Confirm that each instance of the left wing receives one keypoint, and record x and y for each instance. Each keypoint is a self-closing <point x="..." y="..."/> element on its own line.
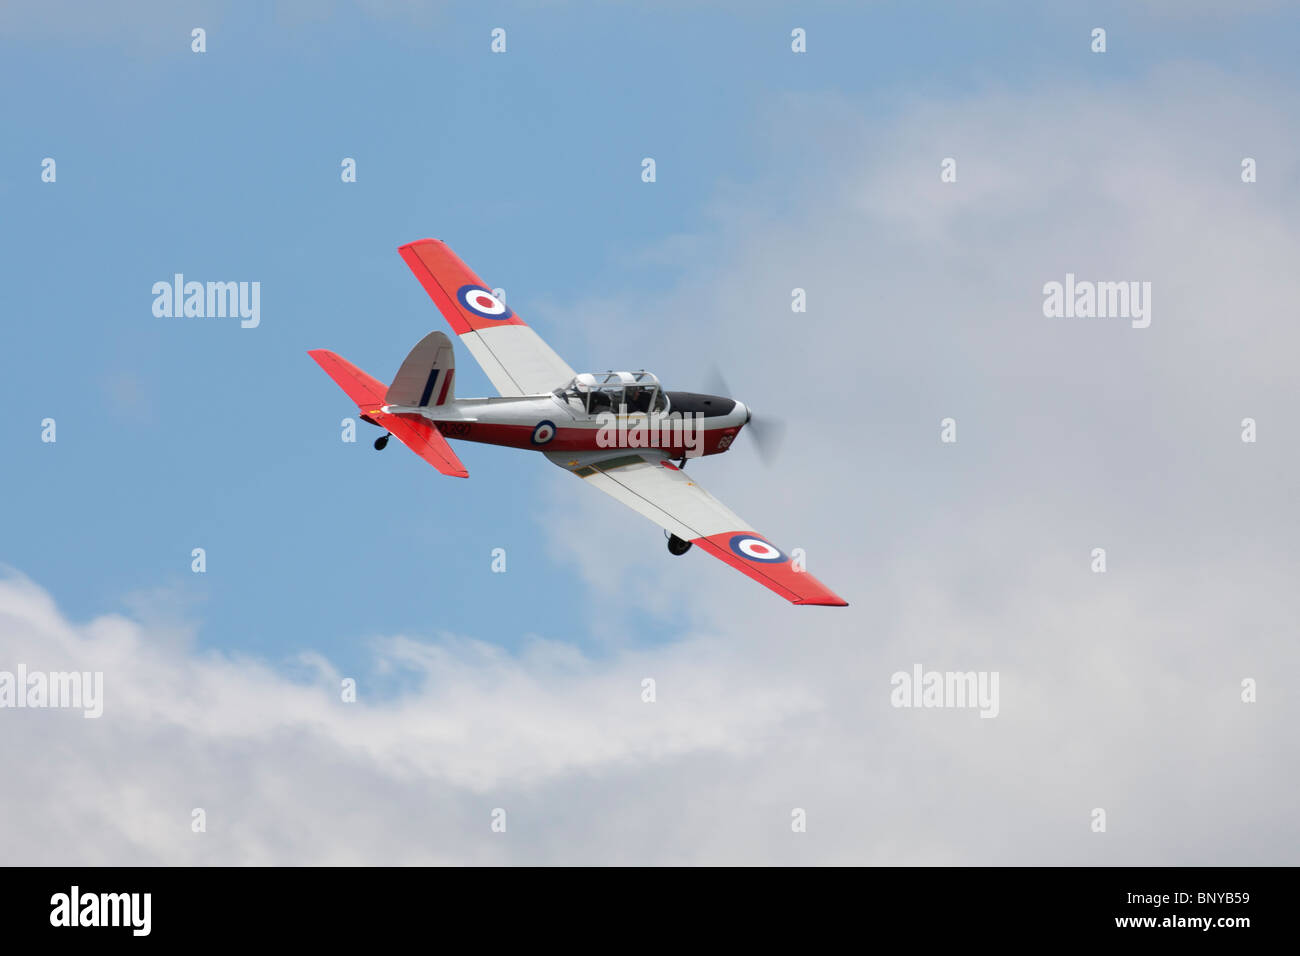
<point x="513" y="356"/>
<point x="646" y="481"/>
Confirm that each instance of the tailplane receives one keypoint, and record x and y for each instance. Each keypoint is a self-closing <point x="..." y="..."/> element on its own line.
<point x="414" y="431"/>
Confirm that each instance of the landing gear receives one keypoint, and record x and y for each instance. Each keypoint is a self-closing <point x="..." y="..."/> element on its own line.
<point x="677" y="545"/>
<point x="381" y="442"/>
<point x="682" y="463"/>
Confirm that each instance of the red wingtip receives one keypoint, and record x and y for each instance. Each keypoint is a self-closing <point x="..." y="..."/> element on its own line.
<point x="781" y="576"/>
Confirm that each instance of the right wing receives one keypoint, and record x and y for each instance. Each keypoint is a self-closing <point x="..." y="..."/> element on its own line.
<point x="513" y="356"/>
<point x="647" y="482"/>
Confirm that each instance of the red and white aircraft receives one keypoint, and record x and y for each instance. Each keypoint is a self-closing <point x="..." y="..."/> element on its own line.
<point x="607" y="428"/>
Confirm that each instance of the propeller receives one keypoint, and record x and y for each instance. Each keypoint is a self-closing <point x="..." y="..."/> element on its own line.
<point x="768" y="433"/>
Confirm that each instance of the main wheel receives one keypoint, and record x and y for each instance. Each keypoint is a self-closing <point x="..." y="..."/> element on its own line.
<point x="381" y="443"/>
<point x="677" y="545"/>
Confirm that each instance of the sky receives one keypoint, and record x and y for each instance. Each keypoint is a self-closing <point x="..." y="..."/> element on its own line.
<point x="523" y="691"/>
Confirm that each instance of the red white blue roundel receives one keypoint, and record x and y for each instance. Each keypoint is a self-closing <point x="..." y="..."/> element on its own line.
<point x="755" y="548"/>
<point x="543" y="433"/>
<point x="482" y="302"/>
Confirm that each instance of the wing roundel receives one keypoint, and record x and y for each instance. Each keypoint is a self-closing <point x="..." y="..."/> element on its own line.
<point x="650" y="484"/>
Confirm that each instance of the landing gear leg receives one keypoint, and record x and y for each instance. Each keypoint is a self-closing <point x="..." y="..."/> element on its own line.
<point x="677" y="545"/>
<point x="382" y="441"/>
<point x="682" y="463"/>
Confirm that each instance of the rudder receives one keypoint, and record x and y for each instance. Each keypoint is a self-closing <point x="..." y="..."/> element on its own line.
<point x="425" y="379"/>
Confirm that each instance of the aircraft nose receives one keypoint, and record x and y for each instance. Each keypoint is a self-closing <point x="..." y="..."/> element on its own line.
<point x="742" y="407"/>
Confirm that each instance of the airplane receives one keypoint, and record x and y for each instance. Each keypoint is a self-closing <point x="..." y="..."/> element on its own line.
<point x="581" y="422"/>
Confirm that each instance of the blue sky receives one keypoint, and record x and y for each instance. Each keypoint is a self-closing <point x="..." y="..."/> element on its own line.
<point x="181" y="433"/>
<point x="176" y="434"/>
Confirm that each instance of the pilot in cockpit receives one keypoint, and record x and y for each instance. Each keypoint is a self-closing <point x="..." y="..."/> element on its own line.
<point x="638" y="399"/>
<point x="620" y="397"/>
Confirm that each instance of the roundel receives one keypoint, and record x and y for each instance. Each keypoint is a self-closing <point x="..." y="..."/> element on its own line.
<point x="482" y="302"/>
<point x="543" y="433"/>
<point x="756" y="549"/>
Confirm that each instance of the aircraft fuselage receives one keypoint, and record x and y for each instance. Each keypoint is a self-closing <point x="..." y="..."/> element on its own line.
<point x="694" y="425"/>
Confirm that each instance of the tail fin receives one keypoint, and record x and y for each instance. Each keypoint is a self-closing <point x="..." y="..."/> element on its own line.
<point x="413" y="431"/>
<point x="425" y="378"/>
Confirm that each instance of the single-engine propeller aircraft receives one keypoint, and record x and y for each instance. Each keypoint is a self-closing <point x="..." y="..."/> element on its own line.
<point x="620" y="432"/>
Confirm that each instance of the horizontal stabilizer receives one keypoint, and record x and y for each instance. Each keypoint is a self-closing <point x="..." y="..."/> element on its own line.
<point x="368" y="392"/>
<point x="421" y="437"/>
<point x="414" y="432"/>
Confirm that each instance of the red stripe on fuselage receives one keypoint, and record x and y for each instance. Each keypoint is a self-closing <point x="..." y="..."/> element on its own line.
<point x="575" y="439"/>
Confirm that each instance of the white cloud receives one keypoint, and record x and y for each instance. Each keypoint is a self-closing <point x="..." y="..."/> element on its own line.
<point x="262" y="754"/>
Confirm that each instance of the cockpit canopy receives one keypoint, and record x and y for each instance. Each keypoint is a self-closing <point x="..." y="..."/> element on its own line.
<point x="596" y="392"/>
